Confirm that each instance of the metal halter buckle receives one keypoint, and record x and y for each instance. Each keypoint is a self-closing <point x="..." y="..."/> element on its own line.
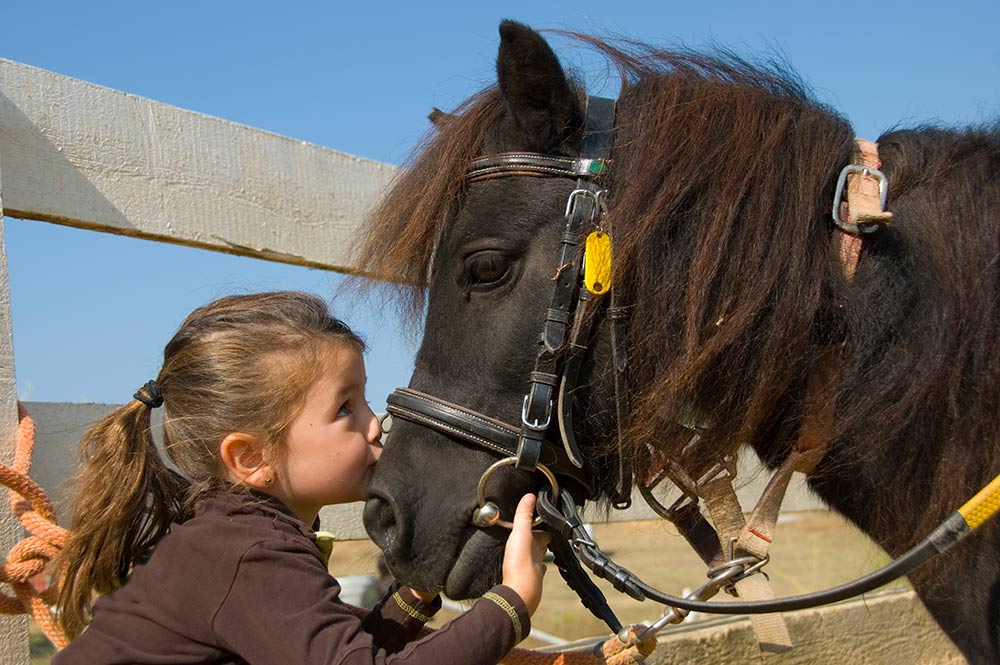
<point x="597" y="197"/>
<point x="689" y="487"/>
<point x="838" y="197"/>
<point x="724" y="467"/>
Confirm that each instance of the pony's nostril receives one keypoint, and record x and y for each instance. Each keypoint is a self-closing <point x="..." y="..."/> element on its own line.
<point x="382" y="523"/>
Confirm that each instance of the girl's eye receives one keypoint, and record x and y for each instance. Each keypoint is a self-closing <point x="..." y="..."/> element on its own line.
<point x="344" y="410"/>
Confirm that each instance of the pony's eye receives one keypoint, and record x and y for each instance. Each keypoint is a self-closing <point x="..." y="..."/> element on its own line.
<point x="486" y="268"/>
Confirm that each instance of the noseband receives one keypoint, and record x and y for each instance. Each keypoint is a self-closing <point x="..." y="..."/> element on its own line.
<point x="547" y="404"/>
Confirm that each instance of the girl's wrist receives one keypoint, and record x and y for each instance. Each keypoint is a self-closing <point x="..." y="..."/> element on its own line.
<point x="426" y="597"/>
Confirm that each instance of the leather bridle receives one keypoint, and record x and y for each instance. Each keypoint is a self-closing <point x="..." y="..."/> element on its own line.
<point x="546" y="414"/>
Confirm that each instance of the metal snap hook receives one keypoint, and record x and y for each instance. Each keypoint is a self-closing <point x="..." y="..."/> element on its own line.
<point x="488" y="513"/>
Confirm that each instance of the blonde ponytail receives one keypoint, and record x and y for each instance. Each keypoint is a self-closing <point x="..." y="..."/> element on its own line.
<point x="123" y="500"/>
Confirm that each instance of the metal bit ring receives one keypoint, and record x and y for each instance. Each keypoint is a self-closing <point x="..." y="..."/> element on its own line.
<point x="488" y="514"/>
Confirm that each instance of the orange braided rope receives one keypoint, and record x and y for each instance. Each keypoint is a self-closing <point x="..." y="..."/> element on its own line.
<point x="32" y="555"/>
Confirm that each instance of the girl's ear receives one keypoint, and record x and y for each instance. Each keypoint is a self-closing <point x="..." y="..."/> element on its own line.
<point x="242" y="457"/>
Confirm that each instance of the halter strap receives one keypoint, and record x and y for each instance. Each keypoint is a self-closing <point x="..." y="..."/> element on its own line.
<point x="583" y="209"/>
<point x="593" y="161"/>
<point x="864" y="210"/>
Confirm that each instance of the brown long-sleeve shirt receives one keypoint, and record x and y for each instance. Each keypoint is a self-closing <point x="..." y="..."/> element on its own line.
<point x="245" y="583"/>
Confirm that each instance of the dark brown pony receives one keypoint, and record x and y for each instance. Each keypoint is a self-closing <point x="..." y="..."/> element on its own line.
<point x="720" y="189"/>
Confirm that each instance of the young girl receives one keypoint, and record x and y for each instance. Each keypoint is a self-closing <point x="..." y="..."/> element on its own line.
<point x="266" y="421"/>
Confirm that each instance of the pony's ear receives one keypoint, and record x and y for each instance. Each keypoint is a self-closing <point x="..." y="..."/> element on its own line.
<point x="542" y="107"/>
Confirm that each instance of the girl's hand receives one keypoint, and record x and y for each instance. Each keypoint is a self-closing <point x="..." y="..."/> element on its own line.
<point x="522" y="560"/>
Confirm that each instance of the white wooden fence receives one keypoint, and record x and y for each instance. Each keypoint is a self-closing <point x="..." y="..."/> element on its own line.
<point x="81" y="155"/>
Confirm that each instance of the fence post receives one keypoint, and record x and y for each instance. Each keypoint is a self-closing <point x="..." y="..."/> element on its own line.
<point x="13" y="629"/>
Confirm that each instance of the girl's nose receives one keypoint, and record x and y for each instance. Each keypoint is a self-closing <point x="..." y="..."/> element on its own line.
<point x="374" y="433"/>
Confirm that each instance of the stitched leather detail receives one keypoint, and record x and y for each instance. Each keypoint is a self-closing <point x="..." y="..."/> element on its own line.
<point x="418" y="417"/>
<point x="527" y="163"/>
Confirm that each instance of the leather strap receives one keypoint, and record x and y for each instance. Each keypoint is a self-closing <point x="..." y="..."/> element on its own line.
<point x="582" y="208"/>
<point x="477" y="429"/>
<point x="572" y="361"/>
<point x="626" y="477"/>
<point x="724" y="506"/>
<point x="863" y="205"/>
<point x="532" y="164"/>
<point x="577" y="579"/>
<point x="699" y="534"/>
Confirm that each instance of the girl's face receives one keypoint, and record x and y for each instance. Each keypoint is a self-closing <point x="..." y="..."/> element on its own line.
<point x="331" y="446"/>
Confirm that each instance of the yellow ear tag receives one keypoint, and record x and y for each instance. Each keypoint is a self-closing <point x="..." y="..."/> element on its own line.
<point x="597" y="263"/>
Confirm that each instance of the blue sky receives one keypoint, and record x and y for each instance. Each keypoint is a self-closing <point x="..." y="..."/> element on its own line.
<point x="92" y="312"/>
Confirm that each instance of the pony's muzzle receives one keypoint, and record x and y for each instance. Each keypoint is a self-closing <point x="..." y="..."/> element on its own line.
<point x="384" y="525"/>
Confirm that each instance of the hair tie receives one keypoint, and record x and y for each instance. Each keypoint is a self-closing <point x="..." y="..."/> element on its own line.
<point x="149" y="395"/>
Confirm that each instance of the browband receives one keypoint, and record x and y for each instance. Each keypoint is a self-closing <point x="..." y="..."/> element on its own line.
<point x="596" y="141"/>
<point x="531" y="163"/>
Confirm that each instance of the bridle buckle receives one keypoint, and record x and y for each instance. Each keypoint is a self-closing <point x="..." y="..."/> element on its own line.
<point x="535" y="424"/>
<point x="596" y="196"/>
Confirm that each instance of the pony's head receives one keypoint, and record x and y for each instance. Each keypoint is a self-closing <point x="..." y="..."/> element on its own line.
<point x="700" y="143"/>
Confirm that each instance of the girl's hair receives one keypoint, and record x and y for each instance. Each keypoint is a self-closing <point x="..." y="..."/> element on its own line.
<point x="240" y="364"/>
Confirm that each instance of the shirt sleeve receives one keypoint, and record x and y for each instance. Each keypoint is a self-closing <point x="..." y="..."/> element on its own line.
<point x="283" y="607"/>
<point x="398" y="618"/>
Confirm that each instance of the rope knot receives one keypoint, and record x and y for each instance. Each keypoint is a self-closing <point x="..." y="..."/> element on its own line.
<point x="32" y="555"/>
<point x="27" y="559"/>
<point x="625" y="648"/>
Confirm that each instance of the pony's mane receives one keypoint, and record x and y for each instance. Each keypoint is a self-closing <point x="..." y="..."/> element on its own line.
<point x="398" y="243"/>
<point x="722" y="177"/>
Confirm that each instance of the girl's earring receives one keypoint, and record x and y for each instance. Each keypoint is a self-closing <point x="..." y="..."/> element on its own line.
<point x="269" y="481"/>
